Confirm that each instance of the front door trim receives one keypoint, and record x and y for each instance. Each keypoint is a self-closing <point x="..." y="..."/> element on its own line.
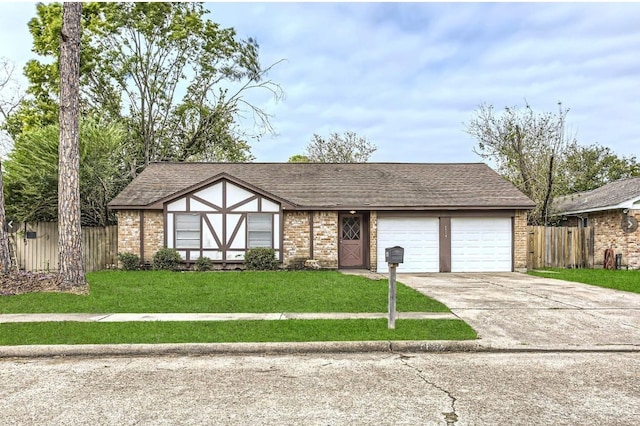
<point x="352" y="250"/>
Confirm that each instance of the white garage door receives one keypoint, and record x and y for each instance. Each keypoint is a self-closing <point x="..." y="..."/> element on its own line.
<point x="481" y="244"/>
<point x="418" y="237"/>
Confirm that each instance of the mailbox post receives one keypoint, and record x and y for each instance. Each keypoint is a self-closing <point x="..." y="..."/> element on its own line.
<point x="393" y="256"/>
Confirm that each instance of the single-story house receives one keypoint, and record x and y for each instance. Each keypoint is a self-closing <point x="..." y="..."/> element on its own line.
<point x="613" y="211"/>
<point x="447" y="217"/>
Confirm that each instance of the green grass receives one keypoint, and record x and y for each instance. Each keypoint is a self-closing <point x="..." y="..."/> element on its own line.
<point x="223" y="292"/>
<point x="57" y="333"/>
<point x="226" y="292"/>
<point x="616" y="279"/>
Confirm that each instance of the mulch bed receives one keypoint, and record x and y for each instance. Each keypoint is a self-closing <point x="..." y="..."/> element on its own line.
<point x="20" y="282"/>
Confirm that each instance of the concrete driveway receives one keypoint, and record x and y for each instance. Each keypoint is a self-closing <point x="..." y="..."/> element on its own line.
<point x="514" y="310"/>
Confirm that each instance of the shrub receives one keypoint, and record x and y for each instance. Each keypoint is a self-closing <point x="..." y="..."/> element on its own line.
<point x="130" y="261"/>
<point x="203" y="264"/>
<point x="261" y="259"/>
<point x="166" y="259"/>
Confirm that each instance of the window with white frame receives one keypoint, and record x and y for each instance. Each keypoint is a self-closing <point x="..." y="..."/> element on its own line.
<point x="188" y="230"/>
<point x="259" y="230"/>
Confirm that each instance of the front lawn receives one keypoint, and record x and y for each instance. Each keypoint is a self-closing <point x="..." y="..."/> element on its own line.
<point x="616" y="279"/>
<point x="226" y="292"/>
<point x="223" y="292"/>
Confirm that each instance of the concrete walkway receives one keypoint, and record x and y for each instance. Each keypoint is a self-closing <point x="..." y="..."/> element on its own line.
<point x="126" y="317"/>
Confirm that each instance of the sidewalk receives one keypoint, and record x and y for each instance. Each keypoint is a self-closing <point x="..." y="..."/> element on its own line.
<point x="126" y="317"/>
<point x="199" y="349"/>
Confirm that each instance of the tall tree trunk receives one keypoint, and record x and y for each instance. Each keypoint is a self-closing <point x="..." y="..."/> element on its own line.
<point x="71" y="262"/>
<point x="5" y="256"/>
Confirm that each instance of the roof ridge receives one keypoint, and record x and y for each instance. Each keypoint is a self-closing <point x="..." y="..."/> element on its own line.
<point x="336" y="185"/>
<point x="409" y="163"/>
<point x="615" y="182"/>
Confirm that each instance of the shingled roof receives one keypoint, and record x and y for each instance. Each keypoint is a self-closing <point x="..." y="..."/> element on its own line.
<point x="324" y="186"/>
<point x="615" y="195"/>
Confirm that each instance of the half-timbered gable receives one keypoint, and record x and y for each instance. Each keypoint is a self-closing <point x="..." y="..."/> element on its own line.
<point x="221" y="221"/>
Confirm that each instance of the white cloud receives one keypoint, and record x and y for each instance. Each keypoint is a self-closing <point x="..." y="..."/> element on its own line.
<point x="407" y="75"/>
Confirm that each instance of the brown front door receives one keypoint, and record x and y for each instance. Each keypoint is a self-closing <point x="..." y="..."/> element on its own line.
<point x="351" y="241"/>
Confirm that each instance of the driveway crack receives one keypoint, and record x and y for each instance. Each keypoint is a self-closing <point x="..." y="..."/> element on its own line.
<point x="450" y="417"/>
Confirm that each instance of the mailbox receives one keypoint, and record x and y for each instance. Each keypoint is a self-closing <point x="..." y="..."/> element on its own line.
<point x="394" y="254"/>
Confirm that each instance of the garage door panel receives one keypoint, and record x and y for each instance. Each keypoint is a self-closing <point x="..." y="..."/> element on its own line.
<point x="481" y="244"/>
<point x="478" y="244"/>
<point x="418" y="237"/>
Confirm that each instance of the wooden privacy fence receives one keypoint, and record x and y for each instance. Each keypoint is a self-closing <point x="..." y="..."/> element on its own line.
<point x="560" y="247"/>
<point x="36" y="246"/>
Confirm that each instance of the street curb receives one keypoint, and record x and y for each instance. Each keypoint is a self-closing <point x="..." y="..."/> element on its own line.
<point x="267" y="348"/>
<point x="290" y="348"/>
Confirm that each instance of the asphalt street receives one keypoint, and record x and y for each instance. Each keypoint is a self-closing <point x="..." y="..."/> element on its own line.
<point x="543" y="388"/>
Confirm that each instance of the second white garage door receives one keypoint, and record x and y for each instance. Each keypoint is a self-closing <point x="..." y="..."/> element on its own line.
<point x="481" y="244"/>
<point x="418" y="237"/>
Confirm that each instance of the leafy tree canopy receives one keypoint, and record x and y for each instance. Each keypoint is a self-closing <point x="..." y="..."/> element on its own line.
<point x="298" y="158"/>
<point x="534" y="151"/>
<point x="175" y="80"/>
<point x="31" y="174"/>
<point x="525" y="146"/>
<point x="589" y="167"/>
<point x="347" y="148"/>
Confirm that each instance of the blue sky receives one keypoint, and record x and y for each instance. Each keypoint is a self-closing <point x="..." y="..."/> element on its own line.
<point x="409" y="75"/>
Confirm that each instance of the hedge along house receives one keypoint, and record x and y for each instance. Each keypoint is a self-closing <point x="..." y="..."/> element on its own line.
<point x="447" y="217"/>
<point x="612" y="212"/>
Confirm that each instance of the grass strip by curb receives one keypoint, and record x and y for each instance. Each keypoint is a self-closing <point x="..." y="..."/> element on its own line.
<point x="57" y="333"/>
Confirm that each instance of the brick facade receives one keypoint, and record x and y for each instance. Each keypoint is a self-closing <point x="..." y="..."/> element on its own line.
<point x="129" y="231"/>
<point x="325" y="241"/>
<point x="296" y="246"/>
<point x="295" y="241"/>
<point x="520" y="235"/>
<point x="296" y="238"/>
<point x="373" y="241"/>
<point x="153" y="233"/>
<point x="609" y="234"/>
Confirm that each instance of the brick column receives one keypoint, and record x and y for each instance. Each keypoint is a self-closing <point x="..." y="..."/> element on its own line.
<point x="153" y="237"/>
<point x="295" y="242"/>
<point x="325" y="245"/>
<point x="520" y="233"/>
<point x="373" y="241"/>
<point x="129" y="231"/>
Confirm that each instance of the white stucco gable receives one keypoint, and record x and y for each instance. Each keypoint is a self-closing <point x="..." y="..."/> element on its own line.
<point x="221" y="221"/>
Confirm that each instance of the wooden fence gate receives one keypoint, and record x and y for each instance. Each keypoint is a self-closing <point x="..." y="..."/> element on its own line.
<point x="36" y="246"/>
<point x="560" y="247"/>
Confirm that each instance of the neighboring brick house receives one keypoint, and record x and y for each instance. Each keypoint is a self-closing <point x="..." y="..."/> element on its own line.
<point x="448" y="217"/>
<point x="612" y="211"/>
